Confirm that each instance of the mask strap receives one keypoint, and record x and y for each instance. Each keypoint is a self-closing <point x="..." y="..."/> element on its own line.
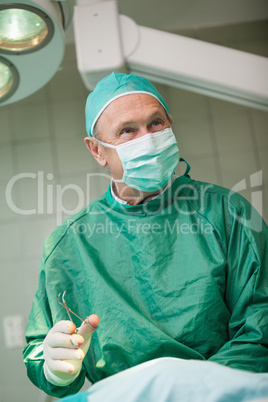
<point x="105" y="144"/>
<point x="188" y="167"/>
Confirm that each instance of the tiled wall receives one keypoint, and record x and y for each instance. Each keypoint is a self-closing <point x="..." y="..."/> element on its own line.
<point x="224" y="143"/>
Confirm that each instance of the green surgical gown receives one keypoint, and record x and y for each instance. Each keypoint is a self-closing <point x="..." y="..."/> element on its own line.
<point x="184" y="275"/>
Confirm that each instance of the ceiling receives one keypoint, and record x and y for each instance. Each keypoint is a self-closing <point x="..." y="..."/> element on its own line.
<point x="175" y="15"/>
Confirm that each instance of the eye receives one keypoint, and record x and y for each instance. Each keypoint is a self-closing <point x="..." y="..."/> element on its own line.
<point x="127" y="130"/>
<point x="156" y="125"/>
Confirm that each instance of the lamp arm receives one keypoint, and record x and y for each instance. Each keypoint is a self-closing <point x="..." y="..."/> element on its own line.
<point x="106" y="42"/>
<point x="200" y="67"/>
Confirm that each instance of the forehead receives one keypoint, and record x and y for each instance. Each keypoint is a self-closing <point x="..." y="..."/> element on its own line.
<point x="133" y="107"/>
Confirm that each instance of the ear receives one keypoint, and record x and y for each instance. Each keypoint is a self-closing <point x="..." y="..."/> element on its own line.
<point x="95" y="148"/>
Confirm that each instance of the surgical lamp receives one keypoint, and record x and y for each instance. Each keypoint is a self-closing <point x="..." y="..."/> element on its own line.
<point x="31" y="45"/>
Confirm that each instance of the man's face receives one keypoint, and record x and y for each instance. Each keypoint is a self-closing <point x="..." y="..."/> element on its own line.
<point x="127" y="118"/>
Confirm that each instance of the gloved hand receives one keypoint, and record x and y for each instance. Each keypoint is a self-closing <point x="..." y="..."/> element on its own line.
<point x="65" y="350"/>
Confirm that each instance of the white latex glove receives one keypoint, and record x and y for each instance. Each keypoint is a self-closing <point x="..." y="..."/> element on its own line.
<point x="63" y="358"/>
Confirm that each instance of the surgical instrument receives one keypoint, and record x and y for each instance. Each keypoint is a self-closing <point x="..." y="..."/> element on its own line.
<point x="68" y="310"/>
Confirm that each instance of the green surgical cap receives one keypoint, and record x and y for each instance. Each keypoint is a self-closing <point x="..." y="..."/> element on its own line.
<point x="112" y="87"/>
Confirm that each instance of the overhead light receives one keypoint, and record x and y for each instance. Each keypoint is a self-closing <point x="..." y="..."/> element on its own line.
<point x="23" y="29"/>
<point x="32" y="43"/>
<point x="9" y="79"/>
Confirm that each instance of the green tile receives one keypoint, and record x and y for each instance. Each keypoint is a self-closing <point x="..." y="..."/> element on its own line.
<point x="6" y="163"/>
<point x="69" y="118"/>
<point x="21" y="392"/>
<point x="205" y="169"/>
<point x="32" y="244"/>
<point x="10" y="239"/>
<point x="193" y="136"/>
<point x="30" y="269"/>
<point x="30" y="121"/>
<point x="36" y="97"/>
<point x="67" y="84"/>
<point x="73" y="156"/>
<point x="5" y="132"/>
<point x="34" y="157"/>
<point x="263" y="154"/>
<point x="6" y="201"/>
<point x="236" y="167"/>
<point x="225" y="109"/>
<point x="185" y="104"/>
<point x="233" y="133"/>
<point x="260" y="125"/>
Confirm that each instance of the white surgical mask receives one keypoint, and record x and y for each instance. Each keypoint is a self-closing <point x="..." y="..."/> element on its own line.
<point x="149" y="161"/>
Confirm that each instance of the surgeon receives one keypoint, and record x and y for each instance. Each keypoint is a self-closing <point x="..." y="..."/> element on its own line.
<point x="160" y="266"/>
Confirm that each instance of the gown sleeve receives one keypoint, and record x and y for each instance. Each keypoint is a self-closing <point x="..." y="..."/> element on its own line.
<point x="40" y="322"/>
<point x="246" y="294"/>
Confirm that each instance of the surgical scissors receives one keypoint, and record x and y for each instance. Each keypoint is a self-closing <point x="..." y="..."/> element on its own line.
<point x="68" y="310"/>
